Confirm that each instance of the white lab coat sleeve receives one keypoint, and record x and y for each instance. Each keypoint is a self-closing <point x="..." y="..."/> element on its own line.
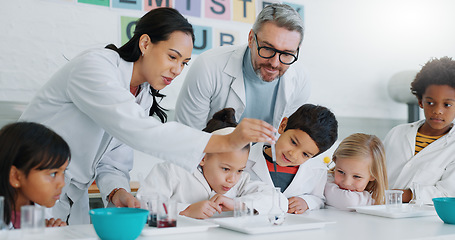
<point x="193" y="103"/>
<point x="445" y="187"/>
<point x="342" y="199"/>
<point x="315" y="199"/>
<point x="114" y="168"/>
<point x="108" y="104"/>
<point x="260" y="193"/>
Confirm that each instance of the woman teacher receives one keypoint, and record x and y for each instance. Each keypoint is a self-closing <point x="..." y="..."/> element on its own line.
<point x="110" y="92"/>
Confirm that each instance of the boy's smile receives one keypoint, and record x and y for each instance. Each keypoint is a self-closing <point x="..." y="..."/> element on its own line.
<point x="293" y="148"/>
<point x="438" y="105"/>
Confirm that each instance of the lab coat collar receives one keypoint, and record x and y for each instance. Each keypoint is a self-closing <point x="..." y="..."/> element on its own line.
<point x="233" y="68"/>
<point x="411" y="136"/>
<point x="259" y="165"/>
<point x="200" y="176"/>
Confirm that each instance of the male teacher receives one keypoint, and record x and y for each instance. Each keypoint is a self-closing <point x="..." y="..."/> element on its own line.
<point x="258" y="80"/>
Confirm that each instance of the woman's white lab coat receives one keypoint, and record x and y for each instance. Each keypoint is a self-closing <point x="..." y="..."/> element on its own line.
<point x="172" y="181"/>
<point x="88" y="102"/>
<point x="308" y="182"/>
<point x="433" y="167"/>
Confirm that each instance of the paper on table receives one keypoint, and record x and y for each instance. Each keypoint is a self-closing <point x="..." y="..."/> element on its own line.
<point x="405" y="211"/>
<point x="260" y="224"/>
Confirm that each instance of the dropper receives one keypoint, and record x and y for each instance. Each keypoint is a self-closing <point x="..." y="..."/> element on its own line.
<point x="274" y="154"/>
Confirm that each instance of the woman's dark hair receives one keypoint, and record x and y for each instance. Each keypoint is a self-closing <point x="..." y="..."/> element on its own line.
<point x="434" y="72"/>
<point x="27" y="146"/>
<point x="318" y="122"/>
<point x="223" y="119"/>
<point x="158" y="24"/>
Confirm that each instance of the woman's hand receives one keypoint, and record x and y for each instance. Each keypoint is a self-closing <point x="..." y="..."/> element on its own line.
<point x="122" y="198"/>
<point x="55" y="222"/>
<point x="201" y="210"/>
<point x="248" y="130"/>
<point x="297" y="205"/>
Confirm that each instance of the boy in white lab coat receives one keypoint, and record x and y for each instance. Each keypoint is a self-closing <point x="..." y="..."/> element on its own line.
<point x="308" y="132"/>
<point x="423" y="152"/>
<point x="217" y="181"/>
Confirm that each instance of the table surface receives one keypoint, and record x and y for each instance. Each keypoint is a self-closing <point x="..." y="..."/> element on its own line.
<point x="347" y="225"/>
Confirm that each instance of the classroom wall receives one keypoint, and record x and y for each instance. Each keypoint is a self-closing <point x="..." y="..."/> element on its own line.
<point x="350" y="50"/>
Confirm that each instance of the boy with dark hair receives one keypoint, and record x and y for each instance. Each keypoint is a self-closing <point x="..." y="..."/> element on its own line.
<point x="423" y="152"/>
<point x="308" y="132"/>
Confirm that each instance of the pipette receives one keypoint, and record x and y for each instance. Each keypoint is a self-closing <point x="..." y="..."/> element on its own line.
<point x="274" y="154"/>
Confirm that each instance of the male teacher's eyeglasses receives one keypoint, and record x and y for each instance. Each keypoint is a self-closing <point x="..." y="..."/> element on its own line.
<point x="269" y="52"/>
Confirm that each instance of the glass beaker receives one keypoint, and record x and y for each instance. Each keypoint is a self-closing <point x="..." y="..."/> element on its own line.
<point x="276" y="214"/>
<point x="393" y="199"/>
<point x="416" y="201"/>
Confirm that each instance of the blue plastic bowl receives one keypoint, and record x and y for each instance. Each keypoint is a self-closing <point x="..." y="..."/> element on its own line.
<point x="445" y="207"/>
<point x="118" y="223"/>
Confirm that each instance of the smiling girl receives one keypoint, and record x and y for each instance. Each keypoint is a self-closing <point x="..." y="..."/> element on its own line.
<point x="33" y="160"/>
<point x="359" y="177"/>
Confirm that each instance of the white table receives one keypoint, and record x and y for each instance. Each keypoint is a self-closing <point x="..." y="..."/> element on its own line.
<point x="348" y="225"/>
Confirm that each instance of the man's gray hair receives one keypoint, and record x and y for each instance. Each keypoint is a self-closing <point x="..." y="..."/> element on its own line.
<point x="282" y="15"/>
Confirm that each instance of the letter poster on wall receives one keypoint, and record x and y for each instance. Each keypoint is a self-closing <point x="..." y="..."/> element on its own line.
<point x="152" y="4"/>
<point x="244" y="10"/>
<point x="203" y="42"/>
<point x="95" y="2"/>
<point x="128" y="24"/>
<point x="127" y="4"/>
<point x="218" y="9"/>
<point x="189" y="7"/>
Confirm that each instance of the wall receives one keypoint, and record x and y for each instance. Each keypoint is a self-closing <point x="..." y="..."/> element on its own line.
<point x="350" y="50"/>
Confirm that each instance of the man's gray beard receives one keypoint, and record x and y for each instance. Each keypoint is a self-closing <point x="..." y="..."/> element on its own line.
<point x="258" y="73"/>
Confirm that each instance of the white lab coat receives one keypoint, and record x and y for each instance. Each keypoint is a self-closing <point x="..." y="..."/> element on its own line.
<point x="173" y="182"/>
<point x="308" y="182"/>
<point x="342" y="199"/>
<point x="433" y="167"/>
<point x="87" y="102"/>
<point x="215" y="81"/>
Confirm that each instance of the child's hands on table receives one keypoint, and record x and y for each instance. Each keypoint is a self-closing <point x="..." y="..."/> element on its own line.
<point x="297" y="205"/>
<point x="226" y="204"/>
<point x="201" y="210"/>
<point x="55" y="222"/>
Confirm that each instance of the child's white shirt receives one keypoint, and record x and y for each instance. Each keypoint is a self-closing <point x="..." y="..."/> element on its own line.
<point x="308" y="183"/>
<point x="176" y="183"/>
<point x="342" y="199"/>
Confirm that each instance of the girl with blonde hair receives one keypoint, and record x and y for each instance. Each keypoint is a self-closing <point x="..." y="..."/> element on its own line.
<point x="359" y="177"/>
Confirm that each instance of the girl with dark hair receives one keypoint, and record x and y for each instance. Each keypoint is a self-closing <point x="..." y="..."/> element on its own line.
<point x="33" y="160"/>
<point x="104" y="98"/>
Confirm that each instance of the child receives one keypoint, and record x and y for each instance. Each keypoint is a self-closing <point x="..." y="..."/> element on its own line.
<point x="423" y="151"/>
<point x="308" y="132"/>
<point x="359" y="177"/>
<point x="33" y="159"/>
<point x="218" y="180"/>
